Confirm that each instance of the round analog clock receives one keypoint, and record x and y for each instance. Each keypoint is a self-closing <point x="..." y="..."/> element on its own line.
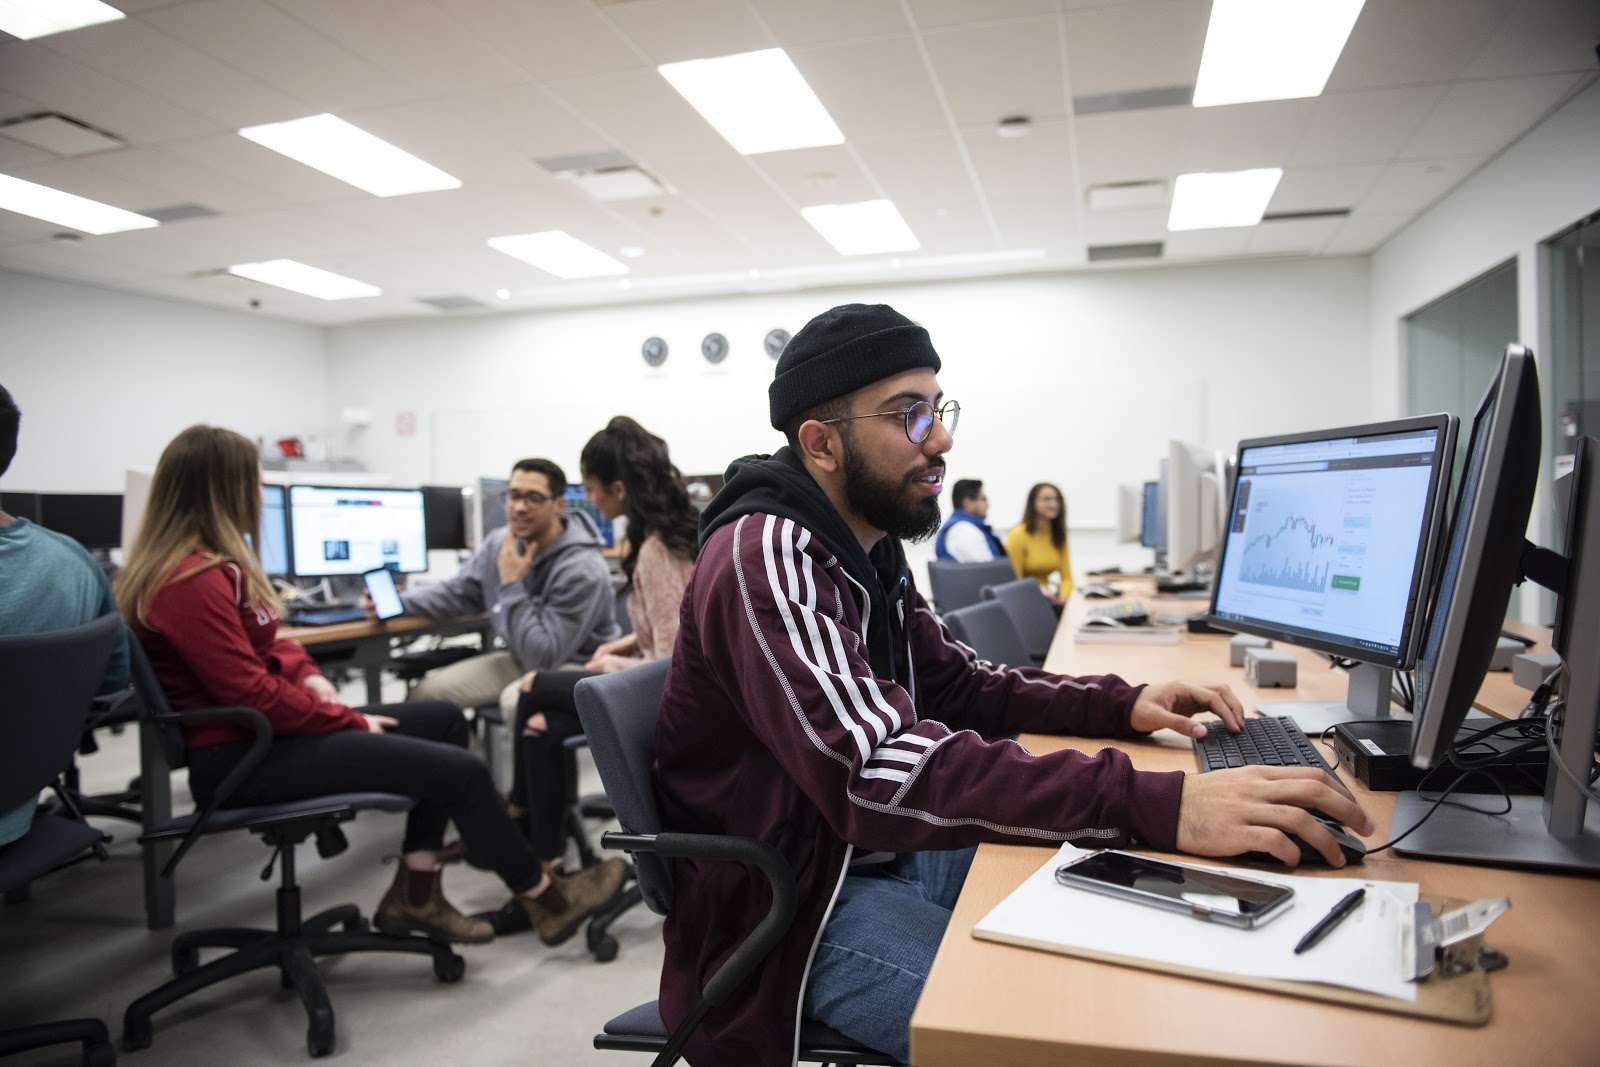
<point x="714" y="348"/>
<point x="775" y="342"/>
<point x="654" y="351"/>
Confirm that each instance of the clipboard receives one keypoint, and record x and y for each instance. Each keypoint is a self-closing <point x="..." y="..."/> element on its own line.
<point x="1462" y="999"/>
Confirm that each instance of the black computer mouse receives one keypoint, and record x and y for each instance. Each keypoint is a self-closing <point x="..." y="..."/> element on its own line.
<point x="1349" y="844"/>
<point x="1101" y="592"/>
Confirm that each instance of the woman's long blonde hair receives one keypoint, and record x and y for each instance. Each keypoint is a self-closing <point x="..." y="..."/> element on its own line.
<point x="206" y="494"/>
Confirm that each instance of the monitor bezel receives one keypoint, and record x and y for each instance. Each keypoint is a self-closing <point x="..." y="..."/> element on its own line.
<point x="288" y="511"/>
<point x="1422" y="575"/>
<point x="288" y="535"/>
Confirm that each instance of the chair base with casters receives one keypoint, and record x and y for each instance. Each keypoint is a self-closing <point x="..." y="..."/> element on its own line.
<point x="297" y="941"/>
<point x="98" y="1051"/>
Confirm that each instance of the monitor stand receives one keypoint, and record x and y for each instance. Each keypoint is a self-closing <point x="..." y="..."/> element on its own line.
<point x="1370" y="698"/>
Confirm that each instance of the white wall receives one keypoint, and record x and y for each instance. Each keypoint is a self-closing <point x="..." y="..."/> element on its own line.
<point x="106" y="379"/>
<point x="1078" y="379"/>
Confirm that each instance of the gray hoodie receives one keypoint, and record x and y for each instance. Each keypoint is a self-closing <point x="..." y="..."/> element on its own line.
<point x="561" y="611"/>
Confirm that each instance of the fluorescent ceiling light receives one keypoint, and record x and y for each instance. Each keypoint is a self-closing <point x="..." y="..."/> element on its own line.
<point x="299" y="278"/>
<point x="1228" y="198"/>
<point x="559" y="253"/>
<point x="52" y="205"/>
<point x="40" y="18"/>
<point x="1271" y="49"/>
<point x="757" y="100"/>
<point x="351" y="154"/>
<point x="860" y="228"/>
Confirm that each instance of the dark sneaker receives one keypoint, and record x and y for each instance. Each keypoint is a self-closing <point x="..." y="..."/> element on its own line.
<point x="586" y="892"/>
<point x="405" y="911"/>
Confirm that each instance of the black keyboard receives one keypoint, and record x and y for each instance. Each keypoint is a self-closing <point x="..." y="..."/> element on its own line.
<point x="1272" y="741"/>
<point x="324" y="616"/>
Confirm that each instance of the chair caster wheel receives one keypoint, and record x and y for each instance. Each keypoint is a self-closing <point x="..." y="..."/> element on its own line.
<point x="604" y="950"/>
<point x="136" y="1034"/>
<point x="449" y="968"/>
<point x="319" y="1044"/>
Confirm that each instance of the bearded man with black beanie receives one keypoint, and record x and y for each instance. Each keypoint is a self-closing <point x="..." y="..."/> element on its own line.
<point x="815" y="702"/>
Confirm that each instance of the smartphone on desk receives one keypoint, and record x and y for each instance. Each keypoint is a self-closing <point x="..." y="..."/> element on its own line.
<point x="385" y="597"/>
<point x="1201" y="892"/>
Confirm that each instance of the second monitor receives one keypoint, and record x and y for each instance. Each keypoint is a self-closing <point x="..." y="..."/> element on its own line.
<point x="351" y="531"/>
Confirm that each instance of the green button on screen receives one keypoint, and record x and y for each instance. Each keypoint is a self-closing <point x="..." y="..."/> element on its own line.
<point x="1346" y="581"/>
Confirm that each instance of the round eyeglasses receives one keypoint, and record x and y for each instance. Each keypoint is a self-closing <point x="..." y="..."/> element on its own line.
<point x="918" y="418"/>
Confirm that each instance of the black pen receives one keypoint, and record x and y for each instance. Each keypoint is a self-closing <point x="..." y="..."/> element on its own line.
<point x="1329" y="921"/>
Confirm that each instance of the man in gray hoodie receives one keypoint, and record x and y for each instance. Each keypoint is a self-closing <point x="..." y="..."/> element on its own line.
<point x="541" y="580"/>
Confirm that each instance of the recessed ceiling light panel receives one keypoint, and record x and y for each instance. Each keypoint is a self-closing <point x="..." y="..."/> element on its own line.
<point x="81" y="213"/>
<point x="351" y="154"/>
<point x="40" y="18"/>
<point x="757" y="100"/>
<point x="299" y="278"/>
<point x="1220" y="200"/>
<point x="559" y="253"/>
<point x="862" y="228"/>
<point x="1271" y="49"/>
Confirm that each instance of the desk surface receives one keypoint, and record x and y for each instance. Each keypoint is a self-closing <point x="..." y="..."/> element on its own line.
<point x="362" y="628"/>
<point x="997" y="1004"/>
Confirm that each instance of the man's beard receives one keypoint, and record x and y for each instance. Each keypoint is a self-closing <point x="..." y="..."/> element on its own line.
<point x="885" y="502"/>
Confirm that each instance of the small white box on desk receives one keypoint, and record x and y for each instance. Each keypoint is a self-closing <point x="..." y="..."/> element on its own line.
<point x="1243" y="643"/>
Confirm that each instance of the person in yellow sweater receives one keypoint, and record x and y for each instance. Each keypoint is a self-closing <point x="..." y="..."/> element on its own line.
<point x="1038" y="544"/>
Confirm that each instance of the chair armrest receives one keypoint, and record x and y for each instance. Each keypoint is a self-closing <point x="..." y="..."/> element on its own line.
<point x="752" y="853"/>
<point x="260" y="742"/>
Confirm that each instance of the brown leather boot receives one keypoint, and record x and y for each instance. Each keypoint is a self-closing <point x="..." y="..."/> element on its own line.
<point x="584" y="893"/>
<point x="415" y="904"/>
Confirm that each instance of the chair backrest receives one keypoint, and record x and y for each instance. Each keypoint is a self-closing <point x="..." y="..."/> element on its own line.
<point x="1030" y="613"/>
<point x="988" y="630"/>
<point x="152" y="702"/>
<point x="619" y="713"/>
<point x="46" y="683"/>
<point x="956" y="585"/>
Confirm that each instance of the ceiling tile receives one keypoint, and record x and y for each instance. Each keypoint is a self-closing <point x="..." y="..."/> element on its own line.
<point x="928" y="13"/>
<point x="951" y="227"/>
<point x="551" y="39"/>
<point x="528" y="119"/>
<point x="442" y="136"/>
<point x="244" y="160"/>
<point x="1363" y="127"/>
<point x="808" y="176"/>
<point x="144" y="57"/>
<point x="1541" y="37"/>
<point x="689" y="29"/>
<point x="928" y="169"/>
<point x="1040" y="164"/>
<point x="877" y="88"/>
<point x="255" y="38"/>
<point x="1364" y="232"/>
<point x="1415" y="42"/>
<point x="1130" y="146"/>
<point x="1049" y="222"/>
<point x="642" y="114"/>
<point x="1319" y="188"/>
<point x="186" y="180"/>
<point x="414" y="42"/>
<point x="14" y="154"/>
<point x="72" y="88"/>
<point x="1413" y="186"/>
<point x="738" y="194"/>
<point x="816" y="21"/>
<point x="1207" y="244"/>
<point x="991" y="71"/>
<point x="1240" y="136"/>
<point x="1124" y="227"/>
<point x="1299" y="236"/>
<point x="1480" y="118"/>
<point x="1136" y="46"/>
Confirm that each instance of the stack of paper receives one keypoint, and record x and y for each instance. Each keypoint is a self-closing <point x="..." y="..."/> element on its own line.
<point x="1363" y="952"/>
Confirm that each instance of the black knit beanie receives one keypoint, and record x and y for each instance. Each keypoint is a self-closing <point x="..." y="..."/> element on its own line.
<point x="842" y="350"/>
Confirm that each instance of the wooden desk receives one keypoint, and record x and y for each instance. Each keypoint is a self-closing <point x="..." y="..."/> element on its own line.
<point x="987" y="1003"/>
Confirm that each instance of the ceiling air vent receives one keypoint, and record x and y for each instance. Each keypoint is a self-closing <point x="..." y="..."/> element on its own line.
<point x="1107" y="253"/>
<point x="1300" y="216"/>
<point x="605" y="175"/>
<point x="453" y="302"/>
<point x="1137" y="100"/>
<point x="180" y="212"/>
<point x="57" y="133"/>
<point x="1125" y="196"/>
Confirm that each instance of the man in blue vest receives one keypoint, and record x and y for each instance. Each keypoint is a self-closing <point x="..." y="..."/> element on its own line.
<point x="965" y="537"/>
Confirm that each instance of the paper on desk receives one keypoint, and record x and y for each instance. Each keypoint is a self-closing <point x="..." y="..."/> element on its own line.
<point x="1362" y="952"/>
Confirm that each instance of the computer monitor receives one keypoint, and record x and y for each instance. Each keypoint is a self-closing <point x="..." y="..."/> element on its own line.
<point x="135" y="493"/>
<point x="1330" y="542"/>
<point x="343" y="530"/>
<point x="274" y="551"/>
<point x="491" y="514"/>
<point x="21" y="505"/>
<point x="1487" y="554"/>
<point x="94" y="520"/>
<point x="1130" y="501"/>
<point x="576" y="501"/>
<point x="1149" y="513"/>
<point x="1161" y="513"/>
<point x="444" y="508"/>
<point x="1196" y="482"/>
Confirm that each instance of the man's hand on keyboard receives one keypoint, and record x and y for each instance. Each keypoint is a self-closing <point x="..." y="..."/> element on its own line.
<point x="1169" y="705"/>
<point x="1253" y="809"/>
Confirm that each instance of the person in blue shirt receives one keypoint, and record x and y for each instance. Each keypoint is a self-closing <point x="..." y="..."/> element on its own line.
<point x="47" y="582"/>
<point x="965" y="537"/>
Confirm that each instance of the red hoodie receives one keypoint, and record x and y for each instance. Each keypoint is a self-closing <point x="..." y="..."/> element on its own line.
<point x="210" y="648"/>
<point x="776" y="725"/>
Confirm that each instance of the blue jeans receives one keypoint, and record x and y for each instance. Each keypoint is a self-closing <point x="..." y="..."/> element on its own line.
<point x="879" y="944"/>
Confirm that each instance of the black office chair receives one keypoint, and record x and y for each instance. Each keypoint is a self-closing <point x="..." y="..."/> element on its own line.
<point x="49" y="680"/>
<point x="988" y="630"/>
<point x="619" y="717"/>
<point x="956" y="585"/>
<point x="1031" y="613"/>
<point x="296" y="942"/>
